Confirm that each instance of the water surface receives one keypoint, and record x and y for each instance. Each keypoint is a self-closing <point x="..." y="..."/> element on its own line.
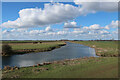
<point x="69" y="51"/>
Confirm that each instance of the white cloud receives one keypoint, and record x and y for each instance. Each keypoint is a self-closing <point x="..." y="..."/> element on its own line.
<point x="57" y="13"/>
<point x="93" y="6"/>
<point x="5" y="31"/>
<point x="80" y="32"/>
<point x="104" y="32"/>
<point x="71" y="25"/>
<point x="78" y="1"/>
<point x="51" y="14"/>
<point x="34" y="32"/>
<point x="48" y="29"/>
<point x="62" y="32"/>
<point x="106" y="27"/>
<point x="95" y="27"/>
<point x="115" y="32"/>
<point x="113" y="24"/>
<point x="94" y="31"/>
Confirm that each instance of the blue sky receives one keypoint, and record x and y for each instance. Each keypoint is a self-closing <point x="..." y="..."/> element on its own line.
<point x="10" y="12"/>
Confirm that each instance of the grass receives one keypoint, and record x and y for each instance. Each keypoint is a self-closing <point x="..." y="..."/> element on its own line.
<point x="103" y="48"/>
<point x="21" y="48"/>
<point x="24" y="41"/>
<point x="101" y="67"/>
<point x="92" y="67"/>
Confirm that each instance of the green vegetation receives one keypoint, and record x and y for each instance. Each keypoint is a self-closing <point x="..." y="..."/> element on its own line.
<point x="46" y="45"/>
<point x="103" y="48"/>
<point x="91" y="67"/>
<point x="21" y="48"/>
<point x="6" y="50"/>
<point x="24" y="41"/>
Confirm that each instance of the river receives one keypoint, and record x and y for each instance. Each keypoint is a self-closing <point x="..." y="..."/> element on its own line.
<point x="69" y="51"/>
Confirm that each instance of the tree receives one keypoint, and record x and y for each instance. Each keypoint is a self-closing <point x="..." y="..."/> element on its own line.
<point x="6" y="50"/>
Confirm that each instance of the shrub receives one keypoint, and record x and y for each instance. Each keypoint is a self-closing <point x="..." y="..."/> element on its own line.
<point x="6" y="50"/>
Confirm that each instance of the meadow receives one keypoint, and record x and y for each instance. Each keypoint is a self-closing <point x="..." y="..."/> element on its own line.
<point x="102" y="48"/>
<point x="91" y="67"/>
<point x="27" y="47"/>
<point x="25" y="41"/>
<point x="88" y="67"/>
<point x="45" y="45"/>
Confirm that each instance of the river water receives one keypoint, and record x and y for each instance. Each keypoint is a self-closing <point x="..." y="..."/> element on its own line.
<point x="69" y="51"/>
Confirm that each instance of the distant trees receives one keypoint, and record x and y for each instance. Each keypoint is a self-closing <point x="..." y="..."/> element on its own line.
<point x="6" y="50"/>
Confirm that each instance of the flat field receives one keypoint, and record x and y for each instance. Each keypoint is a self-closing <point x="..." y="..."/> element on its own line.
<point x="92" y="67"/>
<point x="102" y="48"/>
<point x="27" y="47"/>
<point x="101" y="67"/>
<point x="44" y="45"/>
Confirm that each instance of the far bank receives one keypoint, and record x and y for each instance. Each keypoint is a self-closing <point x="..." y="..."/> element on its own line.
<point x="18" y="47"/>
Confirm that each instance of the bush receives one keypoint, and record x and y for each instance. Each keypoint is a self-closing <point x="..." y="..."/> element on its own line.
<point x="6" y="50"/>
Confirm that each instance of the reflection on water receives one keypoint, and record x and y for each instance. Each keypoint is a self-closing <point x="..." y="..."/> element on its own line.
<point x="70" y="51"/>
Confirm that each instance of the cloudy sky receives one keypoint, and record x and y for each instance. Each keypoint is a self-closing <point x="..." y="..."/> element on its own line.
<point x="63" y="20"/>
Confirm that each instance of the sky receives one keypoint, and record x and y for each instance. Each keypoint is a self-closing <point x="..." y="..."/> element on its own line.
<point x="63" y="20"/>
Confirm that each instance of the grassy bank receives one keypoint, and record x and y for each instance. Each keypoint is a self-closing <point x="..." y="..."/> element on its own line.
<point x="21" y="48"/>
<point x="26" y="41"/>
<point x="102" y="48"/>
<point x="92" y="67"/>
<point x="101" y="67"/>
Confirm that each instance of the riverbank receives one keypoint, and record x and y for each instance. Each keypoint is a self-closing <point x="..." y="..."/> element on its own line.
<point x="22" y="48"/>
<point x="102" y="48"/>
<point x="88" y="67"/>
<point x="91" y="67"/>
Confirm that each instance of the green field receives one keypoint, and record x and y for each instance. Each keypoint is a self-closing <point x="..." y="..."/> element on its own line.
<point x="78" y="68"/>
<point x="92" y="67"/>
<point x="46" y="45"/>
<point x="25" y="41"/>
<point x="21" y="48"/>
<point x="103" y="48"/>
